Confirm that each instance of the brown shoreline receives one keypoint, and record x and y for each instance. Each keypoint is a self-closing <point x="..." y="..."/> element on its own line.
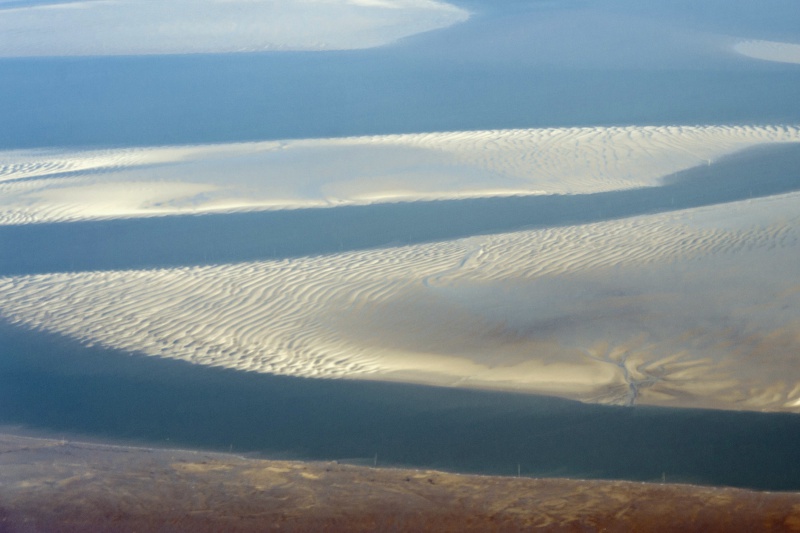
<point x="60" y="486"/>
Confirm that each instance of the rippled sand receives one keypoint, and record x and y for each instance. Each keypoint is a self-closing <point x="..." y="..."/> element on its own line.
<point x="66" y="185"/>
<point x="695" y="308"/>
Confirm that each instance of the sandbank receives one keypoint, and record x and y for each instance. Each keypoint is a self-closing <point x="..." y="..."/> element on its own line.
<point x="770" y="51"/>
<point x="692" y="308"/>
<point x="135" y="27"/>
<point x="68" y="185"/>
<point x="686" y="307"/>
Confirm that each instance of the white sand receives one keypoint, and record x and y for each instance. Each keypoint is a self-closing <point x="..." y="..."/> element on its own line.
<point x="769" y="51"/>
<point x="51" y="186"/>
<point x="136" y="27"/>
<point x="698" y="308"/>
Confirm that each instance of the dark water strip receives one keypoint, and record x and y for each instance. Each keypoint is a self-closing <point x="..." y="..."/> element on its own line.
<point x="55" y="385"/>
<point x="224" y="238"/>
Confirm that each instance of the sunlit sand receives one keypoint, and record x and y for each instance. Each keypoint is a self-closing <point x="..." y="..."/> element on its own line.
<point x="67" y="185"/>
<point x="136" y="27"/>
<point x="693" y="308"/>
<point x="522" y="239"/>
<point x="770" y="51"/>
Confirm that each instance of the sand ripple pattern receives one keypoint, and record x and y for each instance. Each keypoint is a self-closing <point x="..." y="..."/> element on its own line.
<point x="694" y="308"/>
<point x="266" y="316"/>
<point x="57" y="186"/>
<point x="593" y="159"/>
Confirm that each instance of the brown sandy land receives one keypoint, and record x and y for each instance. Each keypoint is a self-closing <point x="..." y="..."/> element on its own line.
<point x="48" y="485"/>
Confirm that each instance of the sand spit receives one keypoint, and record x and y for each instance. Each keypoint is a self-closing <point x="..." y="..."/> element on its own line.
<point x="54" y="186"/>
<point x="694" y="308"/>
<point x="137" y="27"/>
<point x="770" y="51"/>
<point x="57" y="486"/>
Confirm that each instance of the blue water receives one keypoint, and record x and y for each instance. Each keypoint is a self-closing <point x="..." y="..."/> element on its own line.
<point x="135" y="101"/>
<point x="502" y="69"/>
<point x="494" y="71"/>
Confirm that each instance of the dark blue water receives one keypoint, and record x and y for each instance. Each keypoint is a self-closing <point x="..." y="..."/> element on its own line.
<point x="52" y="384"/>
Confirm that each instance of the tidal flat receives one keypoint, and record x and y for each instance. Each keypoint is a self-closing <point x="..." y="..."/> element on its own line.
<point x="533" y="239"/>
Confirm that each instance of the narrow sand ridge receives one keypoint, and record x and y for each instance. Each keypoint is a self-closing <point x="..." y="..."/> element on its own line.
<point x="136" y="27"/>
<point x="770" y="51"/>
<point x="52" y="186"/>
<point x="695" y="308"/>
